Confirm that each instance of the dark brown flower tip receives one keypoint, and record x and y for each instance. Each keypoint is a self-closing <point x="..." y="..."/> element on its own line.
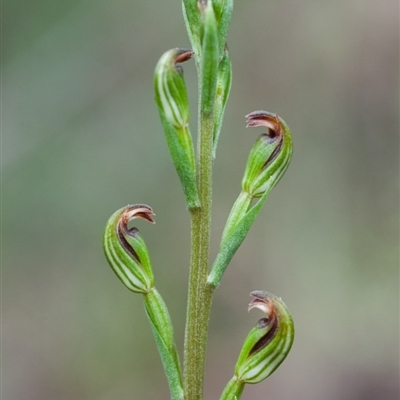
<point x="137" y="211"/>
<point x="264" y="118"/>
<point x="183" y="55"/>
<point x="128" y="214"/>
<point x="264" y="302"/>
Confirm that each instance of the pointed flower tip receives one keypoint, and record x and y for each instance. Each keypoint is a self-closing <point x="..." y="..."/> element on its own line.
<point x="270" y="155"/>
<point x="263" y="301"/>
<point x="173" y="57"/>
<point x="268" y="343"/>
<point x="183" y="55"/>
<point x="137" y="211"/>
<point x="264" y="118"/>
<point x="125" y="249"/>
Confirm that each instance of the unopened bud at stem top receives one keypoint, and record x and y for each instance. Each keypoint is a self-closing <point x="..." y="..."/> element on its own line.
<point x="210" y="57"/>
<point x="223" y="14"/>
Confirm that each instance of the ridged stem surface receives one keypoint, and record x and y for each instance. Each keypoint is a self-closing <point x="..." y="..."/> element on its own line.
<point x="199" y="296"/>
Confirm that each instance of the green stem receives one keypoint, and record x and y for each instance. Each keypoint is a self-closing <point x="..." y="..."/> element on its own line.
<point x="200" y="295"/>
<point x="233" y="390"/>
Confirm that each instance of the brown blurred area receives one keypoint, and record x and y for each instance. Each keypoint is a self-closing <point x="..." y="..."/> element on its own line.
<point x="81" y="138"/>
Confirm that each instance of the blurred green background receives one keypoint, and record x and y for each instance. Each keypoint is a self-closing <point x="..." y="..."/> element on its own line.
<point x="81" y="138"/>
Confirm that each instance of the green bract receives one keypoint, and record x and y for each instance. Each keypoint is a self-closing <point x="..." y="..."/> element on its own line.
<point x="192" y="17"/>
<point x="223" y="89"/>
<point x="162" y="328"/>
<point x="210" y="58"/>
<point x="223" y="14"/>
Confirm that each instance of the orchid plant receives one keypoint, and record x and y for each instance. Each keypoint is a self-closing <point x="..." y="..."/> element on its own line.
<point x="270" y="340"/>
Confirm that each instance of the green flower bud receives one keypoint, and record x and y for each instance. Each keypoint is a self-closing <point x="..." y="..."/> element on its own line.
<point x="223" y="14"/>
<point x="224" y="82"/>
<point x="172" y="101"/>
<point x="269" y="342"/>
<point x="210" y="57"/>
<point x="170" y="88"/>
<point x="192" y="17"/>
<point x="270" y="156"/>
<point x="193" y="13"/>
<point x="126" y="251"/>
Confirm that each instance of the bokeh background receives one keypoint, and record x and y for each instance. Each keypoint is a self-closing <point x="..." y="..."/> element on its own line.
<point x="81" y="138"/>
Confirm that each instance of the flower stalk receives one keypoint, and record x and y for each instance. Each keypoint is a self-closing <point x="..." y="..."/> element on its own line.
<point x="268" y="343"/>
<point x="267" y="162"/>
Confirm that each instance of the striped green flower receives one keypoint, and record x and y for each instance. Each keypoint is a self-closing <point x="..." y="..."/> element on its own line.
<point x="270" y="156"/>
<point x="266" y="164"/>
<point x="269" y="342"/>
<point x="170" y="89"/>
<point x="126" y="251"/>
<point x="265" y="347"/>
<point x="173" y="107"/>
